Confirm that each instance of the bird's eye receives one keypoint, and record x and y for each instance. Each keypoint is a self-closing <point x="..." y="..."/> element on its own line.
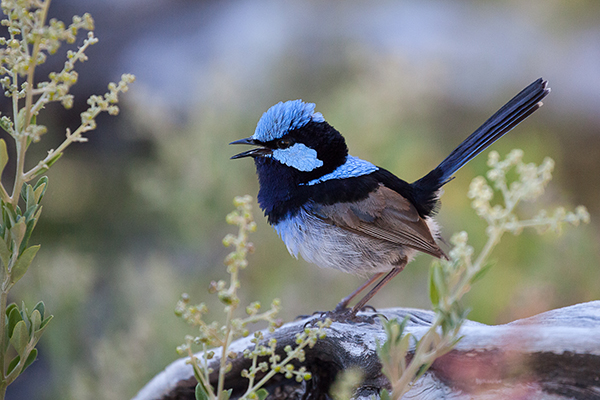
<point x="284" y="143"/>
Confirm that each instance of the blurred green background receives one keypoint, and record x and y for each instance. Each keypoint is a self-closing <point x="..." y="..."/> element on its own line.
<point x="135" y="217"/>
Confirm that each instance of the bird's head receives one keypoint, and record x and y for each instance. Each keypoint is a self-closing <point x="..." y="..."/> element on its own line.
<point x="293" y="136"/>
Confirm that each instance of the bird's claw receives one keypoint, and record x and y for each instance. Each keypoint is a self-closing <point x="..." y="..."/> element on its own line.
<point x="343" y="315"/>
<point x="305" y="316"/>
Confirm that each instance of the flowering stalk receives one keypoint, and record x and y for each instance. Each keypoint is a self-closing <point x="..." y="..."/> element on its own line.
<point x="31" y="39"/>
<point x="450" y="280"/>
<point x="221" y="336"/>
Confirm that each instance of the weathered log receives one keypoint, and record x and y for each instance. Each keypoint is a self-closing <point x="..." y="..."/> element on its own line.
<point x="554" y="355"/>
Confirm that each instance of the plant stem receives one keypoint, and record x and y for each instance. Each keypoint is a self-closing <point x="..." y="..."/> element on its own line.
<point x="71" y="137"/>
<point x="253" y="369"/>
<point x="224" y="355"/>
<point x="230" y="309"/>
<point x="403" y="385"/>
<point x="4" y="194"/>
<point x="21" y="133"/>
<point x="203" y="375"/>
<point x="21" y="147"/>
<point x="3" y="338"/>
<point x="272" y="371"/>
<point x="31" y="69"/>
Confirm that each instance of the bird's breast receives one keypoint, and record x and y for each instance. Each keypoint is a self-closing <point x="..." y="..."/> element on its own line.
<point x="329" y="246"/>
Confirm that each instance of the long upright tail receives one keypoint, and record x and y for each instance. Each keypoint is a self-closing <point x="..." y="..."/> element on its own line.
<point x="510" y="115"/>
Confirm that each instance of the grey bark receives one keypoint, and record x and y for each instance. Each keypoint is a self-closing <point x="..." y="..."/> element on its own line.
<point x="554" y="355"/>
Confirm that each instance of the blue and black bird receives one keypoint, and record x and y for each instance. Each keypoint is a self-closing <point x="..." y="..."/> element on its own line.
<point x="338" y="211"/>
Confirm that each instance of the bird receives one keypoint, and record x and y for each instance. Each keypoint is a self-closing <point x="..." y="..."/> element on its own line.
<point x="339" y="211"/>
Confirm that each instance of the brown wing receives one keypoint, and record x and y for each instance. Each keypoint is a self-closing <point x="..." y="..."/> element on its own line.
<point x="384" y="215"/>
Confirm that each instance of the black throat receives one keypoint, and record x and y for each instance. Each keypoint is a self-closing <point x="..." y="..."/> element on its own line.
<point x="284" y="189"/>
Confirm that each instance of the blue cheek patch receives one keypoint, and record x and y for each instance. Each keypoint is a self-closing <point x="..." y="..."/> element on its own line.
<point x="353" y="167"/>
<point x="298" y="156"/>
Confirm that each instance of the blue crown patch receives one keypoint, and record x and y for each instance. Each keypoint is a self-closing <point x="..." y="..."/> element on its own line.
<point x="284" y="117"/>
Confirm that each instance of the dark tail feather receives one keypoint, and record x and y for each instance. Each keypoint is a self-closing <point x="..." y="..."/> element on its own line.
<point x="510" y="115"/>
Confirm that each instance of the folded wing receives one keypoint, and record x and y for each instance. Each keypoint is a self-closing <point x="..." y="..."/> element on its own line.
<point x="384" y="215"/>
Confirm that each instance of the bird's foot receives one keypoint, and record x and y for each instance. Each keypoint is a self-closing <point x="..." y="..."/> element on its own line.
<point x="369" y="308"/>
<point x="305" y="316"/>
<point x="349" y="315"/>
<point x="343" y="314"/>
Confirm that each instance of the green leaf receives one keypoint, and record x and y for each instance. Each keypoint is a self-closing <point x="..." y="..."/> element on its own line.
<point x="40" y="188"/>
<point x="31" y="223"/>
<point x="42" y="170"/>
<point x="17" y="232"/>
<point x="41" y="307"/>
<point x="3" y="155"/>
<point x="434" y="295"/>
<point x="479" y="274"/>
<point x="30" y="210"/>
<point x="28" y="231"/>
<point x="9" y="215"/>
<point x="196" y="371"/>
<point x="10" y="307"/>
<point x="14" y="317"/>
<point x="262" y="393"/>
<point x="49" y="163"/>
<point x="201" y="392"/>
<point x="28" y="195"/>
<point x="36" y="217"/>
<point x="5" y="257"/>
<point x="20" y="337"/>
<point x="54" y="159"/>
<point x="404" y="343"/>
<point x="395" y="337"/>
<point x="24" y="312"/>
<point x="456" y="341"/>
<point x="38" y="334"/>
<point x="23" y="263"/>
<point x="422" y="369"/>
<point x="45" y="322"/>
<point x="385" y="395"/>
<point x="30" y="359"/>
<point x="36" y="320"/>
<point x="5" y="253"/>
<point x="20" y="120"/>
<point x="404" y="323"/>
<point x="13" y="363"/>
<point x="226" y="394"/>
<point x="30" y="198"/>
<point x="438" y="280"/>
<point x="5" y="221"/>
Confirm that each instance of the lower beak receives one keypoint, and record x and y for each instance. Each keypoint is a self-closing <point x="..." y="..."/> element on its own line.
<point x="258" y="152"/>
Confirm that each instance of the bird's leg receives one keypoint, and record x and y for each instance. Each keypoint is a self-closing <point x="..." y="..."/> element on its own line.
<point x="342" y="305"/>
<point x="377" y="287"/>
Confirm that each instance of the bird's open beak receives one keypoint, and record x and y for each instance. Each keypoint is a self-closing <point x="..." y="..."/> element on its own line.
<point x="258" y="152"/>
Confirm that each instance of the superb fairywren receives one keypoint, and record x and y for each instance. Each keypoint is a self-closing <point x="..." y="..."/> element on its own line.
<point x="339" y="211"/>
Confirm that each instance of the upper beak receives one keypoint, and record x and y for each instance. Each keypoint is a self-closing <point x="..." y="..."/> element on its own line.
<point x="258" y="152"/>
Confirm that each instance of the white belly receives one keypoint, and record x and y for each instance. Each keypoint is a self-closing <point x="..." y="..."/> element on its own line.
<point x="329" y="246"/>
